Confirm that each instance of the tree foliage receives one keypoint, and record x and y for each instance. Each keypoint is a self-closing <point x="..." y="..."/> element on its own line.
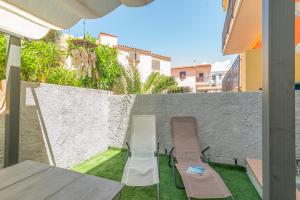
<point x="43" y="61"/>
<point x="2" y="56"/>
<point x="130" y="83"/>
<point x="38" y="58"/>
<point x="52" y="36"/>
<point x="108" y="66"/>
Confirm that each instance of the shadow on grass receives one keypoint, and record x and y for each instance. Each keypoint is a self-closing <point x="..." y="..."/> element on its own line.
<point x="111" y="163"/>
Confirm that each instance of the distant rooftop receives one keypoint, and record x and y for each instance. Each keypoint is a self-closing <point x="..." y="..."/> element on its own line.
<point x="192" y="66"/>
<point x="113" y="41"/>
<point x="106" y="34"/>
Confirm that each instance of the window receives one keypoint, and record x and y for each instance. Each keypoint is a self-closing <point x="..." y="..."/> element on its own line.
<point x="182" y="75"/>
<point x="155" y="64"/>
<point x="220" y="76"/>
<point x="213" y="77"/>
<point x="201" y="77"/>
<point x="134" y="56"/>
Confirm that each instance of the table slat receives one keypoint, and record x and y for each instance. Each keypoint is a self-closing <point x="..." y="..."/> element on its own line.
<point x="89" y="188"/>
<point x="40" y="186"/>
<point x="19" y="172"/>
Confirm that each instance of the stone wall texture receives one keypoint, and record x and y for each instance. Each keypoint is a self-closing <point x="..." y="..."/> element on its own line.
<point x="60" y="125"/>
<point x="64" y="126"/>
<point x="230" y="123"/>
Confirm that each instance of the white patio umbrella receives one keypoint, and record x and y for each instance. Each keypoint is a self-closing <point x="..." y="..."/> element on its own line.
<point x="33" y="18"/>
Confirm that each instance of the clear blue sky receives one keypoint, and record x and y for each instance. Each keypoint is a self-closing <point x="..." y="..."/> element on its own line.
<point x="186" y="30"/>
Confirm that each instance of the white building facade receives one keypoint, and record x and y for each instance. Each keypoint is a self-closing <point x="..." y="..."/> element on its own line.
<point x="146" y="61"/>
<point x="217" y="78"/>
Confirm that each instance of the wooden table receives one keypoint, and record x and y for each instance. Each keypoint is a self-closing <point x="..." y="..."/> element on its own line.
<point x="35" y="181"/>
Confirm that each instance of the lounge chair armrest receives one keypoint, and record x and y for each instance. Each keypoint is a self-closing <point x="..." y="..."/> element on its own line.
<point x="173" y="158"/>
<point x="170" y="156"/>
<point x="203" y="157"/>
<point x="129" y="151"/>
<point x="171" y="151"/>
<point x="205" y="150"/>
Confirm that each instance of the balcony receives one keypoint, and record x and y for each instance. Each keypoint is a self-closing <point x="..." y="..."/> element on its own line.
<point x="242" y="25"/>
<point x="231" y="81"/>
<point x="204" y="80"/>
<point x="227" y="23"/>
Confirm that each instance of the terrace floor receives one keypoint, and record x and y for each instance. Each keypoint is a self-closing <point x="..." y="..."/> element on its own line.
<point x="110" y="165"/>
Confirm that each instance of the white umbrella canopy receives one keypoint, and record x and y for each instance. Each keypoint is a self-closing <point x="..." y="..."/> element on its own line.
<point x="33" y="18"/>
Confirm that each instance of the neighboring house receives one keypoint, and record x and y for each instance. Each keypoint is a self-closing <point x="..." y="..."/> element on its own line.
<point x="242" y="35"/>
<point x="217" y="78"/>
<point x="146" y="61"/>
<point x="194" y="78"/>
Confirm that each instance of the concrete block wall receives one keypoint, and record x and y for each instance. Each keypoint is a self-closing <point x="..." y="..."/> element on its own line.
<point x="230" y="123"/>
<point x="60" y="125"/>
<point x="64" y="126"/>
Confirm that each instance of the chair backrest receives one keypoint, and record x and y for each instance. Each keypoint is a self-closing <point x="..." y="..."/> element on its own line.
<point x="185" y="139"/>
<point x="143" y="135"/>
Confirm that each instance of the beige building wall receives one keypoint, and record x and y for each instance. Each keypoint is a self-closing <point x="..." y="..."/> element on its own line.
<point x="297" y="68"/>
<point x="251" y="70"/>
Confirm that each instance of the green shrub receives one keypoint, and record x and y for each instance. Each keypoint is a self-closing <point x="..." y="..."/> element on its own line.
<point x="61" y="76"/>
<point x="43" y="61"/>
<point x="2" y="56"/>
<point x="108" y="67"/>
<point x="38" y="58"/>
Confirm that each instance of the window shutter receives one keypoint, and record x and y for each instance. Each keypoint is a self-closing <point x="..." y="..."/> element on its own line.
<point x="156" y="64"/>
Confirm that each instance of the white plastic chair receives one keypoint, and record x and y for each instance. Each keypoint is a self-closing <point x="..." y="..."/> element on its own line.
<point x="142" y="167"/>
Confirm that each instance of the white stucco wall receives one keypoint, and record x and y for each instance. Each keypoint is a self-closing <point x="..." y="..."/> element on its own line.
<point x="218" y="80"/>
<point x="123" y="58"/>
<point x="165" y="67"/>
<point x="145" y="66"/>
<point x="189" y="81"/>
<point x="108" y="40"/>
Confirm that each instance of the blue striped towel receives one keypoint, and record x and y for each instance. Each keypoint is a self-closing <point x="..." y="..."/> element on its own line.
<point x="195" y="170"/>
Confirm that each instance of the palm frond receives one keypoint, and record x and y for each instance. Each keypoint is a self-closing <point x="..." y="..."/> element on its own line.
<point x="150" y="82"/>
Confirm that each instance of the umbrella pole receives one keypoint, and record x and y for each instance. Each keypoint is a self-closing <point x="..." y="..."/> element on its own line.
<point x="12" y="115"/>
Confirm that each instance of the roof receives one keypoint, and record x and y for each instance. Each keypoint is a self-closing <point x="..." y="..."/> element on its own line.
<point x="142" y="51"/>
<point x="161" y="57"/>
<point x="106" y="34"/>
<point x="191" y="66"/>
<point x="34" y="18"/>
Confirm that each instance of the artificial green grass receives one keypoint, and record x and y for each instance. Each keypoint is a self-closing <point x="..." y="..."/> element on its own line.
<point x="110" y="165"/>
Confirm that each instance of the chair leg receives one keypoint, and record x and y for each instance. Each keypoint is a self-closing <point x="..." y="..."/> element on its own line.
<point x="174" y="174"/>
<point x="120" y="195"/>
<point x="158" y="193"/>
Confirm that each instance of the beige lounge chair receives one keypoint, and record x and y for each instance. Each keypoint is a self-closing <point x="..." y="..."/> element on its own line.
<point x="142" y="167"/>
<point x="187" y="152"/>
